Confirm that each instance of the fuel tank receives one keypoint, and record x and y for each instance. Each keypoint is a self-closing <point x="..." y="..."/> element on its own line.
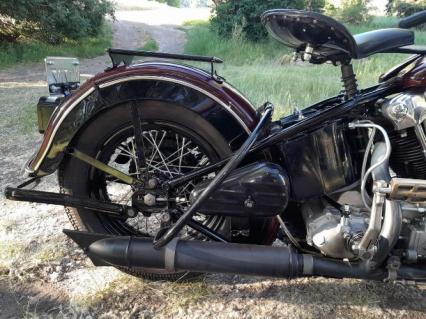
<point x="409" y="74"/>
<point x="258" y="189"/>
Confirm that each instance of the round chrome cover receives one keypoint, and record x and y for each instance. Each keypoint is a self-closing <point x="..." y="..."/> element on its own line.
<point x="405" y="110"/>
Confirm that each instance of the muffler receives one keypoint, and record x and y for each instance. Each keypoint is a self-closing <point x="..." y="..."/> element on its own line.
<point x="214" y="257"/>
<point x="194" y="256"/>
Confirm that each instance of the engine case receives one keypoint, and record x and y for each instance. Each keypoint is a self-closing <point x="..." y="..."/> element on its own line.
<point x="258" y="190"/>
<point x="415" y="237"/>
<point x="329" y="231"/>
<point x="413" y="233"/>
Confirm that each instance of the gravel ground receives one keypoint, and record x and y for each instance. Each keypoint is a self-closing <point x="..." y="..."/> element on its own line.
<point x="43" y="274"/>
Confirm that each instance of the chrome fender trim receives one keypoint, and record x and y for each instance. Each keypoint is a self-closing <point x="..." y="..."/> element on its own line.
<point x="33" y="166"/>
<point x="149" y="77"/>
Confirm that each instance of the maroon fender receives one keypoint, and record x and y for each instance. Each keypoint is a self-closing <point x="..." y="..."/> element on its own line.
<point x="218" y="102"/>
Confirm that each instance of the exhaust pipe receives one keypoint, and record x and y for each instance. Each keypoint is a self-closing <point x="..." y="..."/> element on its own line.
<point x="392" y="219"/>
<point x="194" y="256"/>
<point x="214" y="257"/>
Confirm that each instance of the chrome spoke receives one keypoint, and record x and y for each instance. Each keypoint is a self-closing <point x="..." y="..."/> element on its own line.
<point x="161" y="171"/>
<point x="159" y="153"/>
<point x="181" y="154"/>
<point x="176" y="152"/>
<point x="125" y="152"/>
<point x="175" y="159"/>
<point x="134" y="157"/>
<point x="159" y="145"/>
<point x="155" y="165"/>
<point x="168" y="154"/>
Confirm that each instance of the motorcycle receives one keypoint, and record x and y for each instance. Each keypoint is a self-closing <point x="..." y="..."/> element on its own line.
<point x="166" y="169"/>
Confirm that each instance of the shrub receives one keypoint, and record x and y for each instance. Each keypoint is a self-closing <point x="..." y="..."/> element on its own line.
<point x="405" y="8"/>
<point x="242" y="17"/>
<point x="350" y="11"/>
<point x="150" y="45"/>
<point x="31" y="50"/>
<point x="52" y="21"/>
<point x="172" y="3"/>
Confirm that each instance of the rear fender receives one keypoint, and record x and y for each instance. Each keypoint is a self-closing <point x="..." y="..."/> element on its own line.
<point x="219" y="103"/>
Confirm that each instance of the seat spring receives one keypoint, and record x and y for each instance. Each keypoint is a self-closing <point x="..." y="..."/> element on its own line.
<point x="349" y="80"/>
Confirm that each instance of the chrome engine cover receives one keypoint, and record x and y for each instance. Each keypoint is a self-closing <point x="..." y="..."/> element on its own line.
<point x="405" y="110"/>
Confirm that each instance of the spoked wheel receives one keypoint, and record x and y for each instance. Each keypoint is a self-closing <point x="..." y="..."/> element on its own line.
<point x="176" y="141"/>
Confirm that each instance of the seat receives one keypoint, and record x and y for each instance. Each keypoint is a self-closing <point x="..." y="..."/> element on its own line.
<point x="383" y="40"/>
<point x="329" y="38"/>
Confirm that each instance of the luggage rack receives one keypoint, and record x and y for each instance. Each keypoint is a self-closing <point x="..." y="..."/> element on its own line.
<point x="119" y="56"/>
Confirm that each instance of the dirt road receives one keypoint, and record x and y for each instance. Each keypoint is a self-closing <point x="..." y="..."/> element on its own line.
<point x="42" y="274"/>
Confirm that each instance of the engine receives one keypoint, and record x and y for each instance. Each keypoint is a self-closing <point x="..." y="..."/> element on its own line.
<point x="324" y="162"/>
<point x="340" y="223"/>
<point x="407" y="112"/>
<point x="357" y="185"/>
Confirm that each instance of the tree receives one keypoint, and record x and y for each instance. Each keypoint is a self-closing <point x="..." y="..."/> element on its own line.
<point x="172" y="3"/>
<point x="354" y="11"/>
<point x="405" y="8"/>
<point x="242" y="17"/>
<point x="52" y="21"/>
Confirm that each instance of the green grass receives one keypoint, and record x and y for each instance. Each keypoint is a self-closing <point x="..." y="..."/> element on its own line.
<point x="263" y="71"/>
<point x="235" y="51"/>
<point x="33" y="51"/>
<point x="150" y="45"/>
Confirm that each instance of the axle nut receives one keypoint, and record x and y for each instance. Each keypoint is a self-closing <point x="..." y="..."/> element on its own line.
<point x="149" y="200"/>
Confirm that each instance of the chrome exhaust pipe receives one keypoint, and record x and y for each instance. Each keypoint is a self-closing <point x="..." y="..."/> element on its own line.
<point x="392" y="218"/>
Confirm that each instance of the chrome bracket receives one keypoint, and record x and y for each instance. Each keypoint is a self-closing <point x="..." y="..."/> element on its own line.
<point x="366" y="248"/>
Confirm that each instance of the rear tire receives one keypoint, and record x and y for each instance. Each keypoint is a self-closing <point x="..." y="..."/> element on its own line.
<point x="78" y="178"/>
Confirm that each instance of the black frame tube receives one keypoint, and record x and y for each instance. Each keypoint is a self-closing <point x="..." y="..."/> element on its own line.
<point x="339" y="269"/>
<point x="34" y="196"/>
<point x="217" y="181"/>
<point x="206" y="231"/>
<point x="112" y="209"/>
<point x="140" y="148"/>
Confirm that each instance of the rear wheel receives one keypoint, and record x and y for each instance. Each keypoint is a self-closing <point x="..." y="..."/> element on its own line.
<point x="176" y="141"/>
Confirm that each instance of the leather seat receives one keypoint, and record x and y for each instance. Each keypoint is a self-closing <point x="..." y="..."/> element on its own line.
<point x="331" y="39"/>
<point x="377" y="41"/>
